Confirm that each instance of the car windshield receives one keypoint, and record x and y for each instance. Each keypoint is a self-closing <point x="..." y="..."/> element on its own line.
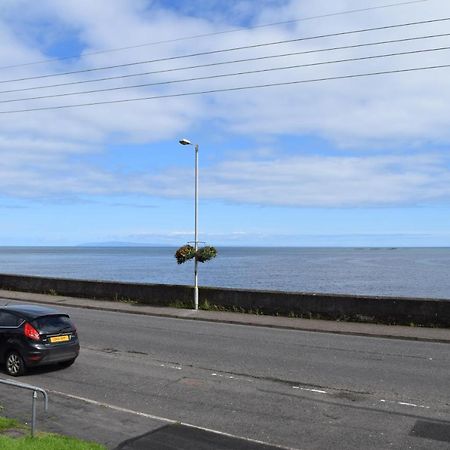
<point x="52" y="324"/>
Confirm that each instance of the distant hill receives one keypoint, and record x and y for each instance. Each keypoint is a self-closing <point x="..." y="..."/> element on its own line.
<point x="120" y="244"/>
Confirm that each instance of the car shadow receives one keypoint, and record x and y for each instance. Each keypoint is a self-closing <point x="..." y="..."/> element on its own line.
<point x="38" y="370"/>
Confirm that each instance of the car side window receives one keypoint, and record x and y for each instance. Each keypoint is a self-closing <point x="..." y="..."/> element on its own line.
<point x="9" y="320"/>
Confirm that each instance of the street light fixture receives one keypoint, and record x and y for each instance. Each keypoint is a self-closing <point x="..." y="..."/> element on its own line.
<point x="187" y="142"/>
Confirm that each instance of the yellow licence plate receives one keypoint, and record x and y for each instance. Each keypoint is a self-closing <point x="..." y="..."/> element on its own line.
<point x="59" y="339"/>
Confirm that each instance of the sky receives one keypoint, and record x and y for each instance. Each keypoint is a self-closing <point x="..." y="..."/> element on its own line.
<point x="361" y="161"/>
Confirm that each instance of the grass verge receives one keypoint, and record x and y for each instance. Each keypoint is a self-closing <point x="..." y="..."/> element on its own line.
<point x="43" y="441"/>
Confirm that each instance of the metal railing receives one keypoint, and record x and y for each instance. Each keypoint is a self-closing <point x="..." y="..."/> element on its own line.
<point x="35" y="390"/>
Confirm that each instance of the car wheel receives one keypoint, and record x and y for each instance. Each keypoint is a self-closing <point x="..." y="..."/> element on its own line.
<point x="67" y="363"/>
<point x="14" y="364"/>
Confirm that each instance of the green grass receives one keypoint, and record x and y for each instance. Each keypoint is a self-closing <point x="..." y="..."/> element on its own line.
<point x="180" y="304"/>
<point x="43" y="441"/>
<point x="47" y="442"/>
<point x="7" y="424"/>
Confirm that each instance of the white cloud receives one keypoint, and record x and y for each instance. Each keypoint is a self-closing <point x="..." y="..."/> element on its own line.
<point x="305" y="181"/>
<point x="318" y="181"/>
<point x="403" y="108"/>
<point x="364" y="114"/>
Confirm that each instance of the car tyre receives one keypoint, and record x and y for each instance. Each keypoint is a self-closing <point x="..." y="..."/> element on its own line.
<point x="15" y="365"/>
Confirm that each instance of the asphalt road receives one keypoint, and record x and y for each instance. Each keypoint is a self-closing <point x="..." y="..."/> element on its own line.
<point x="296" y="389"/>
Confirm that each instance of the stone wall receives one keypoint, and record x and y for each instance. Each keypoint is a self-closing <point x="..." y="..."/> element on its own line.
<point x="398" y="310"/>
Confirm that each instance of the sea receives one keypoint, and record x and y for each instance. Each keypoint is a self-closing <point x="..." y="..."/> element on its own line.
<point x="416" y="272"/>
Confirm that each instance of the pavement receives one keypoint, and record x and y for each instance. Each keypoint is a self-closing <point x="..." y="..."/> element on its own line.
<point x="101" y="422"/>
<point x="324" y="326"/>
<point x="95" y="422"/>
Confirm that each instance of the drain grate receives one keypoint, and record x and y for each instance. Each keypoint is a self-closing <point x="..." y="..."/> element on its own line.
<point x="437" y="431"/>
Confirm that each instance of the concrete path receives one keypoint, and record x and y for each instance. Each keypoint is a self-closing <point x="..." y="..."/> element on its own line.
<point x="325" y="326"/>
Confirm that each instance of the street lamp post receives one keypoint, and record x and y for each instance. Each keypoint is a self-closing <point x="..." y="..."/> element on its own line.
<point x="187" y="142"/>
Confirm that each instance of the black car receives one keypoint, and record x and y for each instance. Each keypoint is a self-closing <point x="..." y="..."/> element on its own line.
<point x="33" y="335"/>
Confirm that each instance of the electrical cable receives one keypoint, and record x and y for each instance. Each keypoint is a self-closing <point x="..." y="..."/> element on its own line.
<point x="286" y="22"/>
<point x="220" y="63"/>
<point x="210" y="77"/>
<point x="212" y="52"/>
<point x="232" y="89"/>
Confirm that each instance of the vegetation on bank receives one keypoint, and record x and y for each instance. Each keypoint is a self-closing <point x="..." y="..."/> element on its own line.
<point x="16" y="436"/>
<point x="205" y="305"/>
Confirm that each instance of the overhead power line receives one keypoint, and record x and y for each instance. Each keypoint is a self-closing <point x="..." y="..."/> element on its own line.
<point x="249" y="72"/>
<point x="236" y="30"/>
<point x="212" y="52"/>
<point x="232" y="89"/>
<point x="234" y="61"/>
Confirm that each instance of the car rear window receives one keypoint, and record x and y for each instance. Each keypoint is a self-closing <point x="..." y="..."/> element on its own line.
<point x="9" y="320"/>
<point x="52" y="324"/>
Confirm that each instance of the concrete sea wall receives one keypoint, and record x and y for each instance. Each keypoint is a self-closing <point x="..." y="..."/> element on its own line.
<point x="394" y="310"/>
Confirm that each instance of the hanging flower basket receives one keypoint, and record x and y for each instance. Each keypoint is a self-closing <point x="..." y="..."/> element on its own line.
<point x="206" y="253"/>
<point x="187" y="252"/>
<point x="184" y="253"/>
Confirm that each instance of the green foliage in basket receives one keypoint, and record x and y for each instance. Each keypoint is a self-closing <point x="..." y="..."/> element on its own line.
<point x="187" y="252"/>
<point x="206" y="253"/>
<point x="184" y="253"/>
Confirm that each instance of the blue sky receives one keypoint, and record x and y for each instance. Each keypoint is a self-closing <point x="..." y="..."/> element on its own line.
<point x="360" y="162"/>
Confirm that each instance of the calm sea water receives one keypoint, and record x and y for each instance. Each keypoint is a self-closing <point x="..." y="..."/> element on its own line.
<point x="419" y="272"/>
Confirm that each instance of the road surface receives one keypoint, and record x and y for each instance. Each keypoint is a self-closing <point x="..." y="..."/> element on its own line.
<point x="296" y="389"/>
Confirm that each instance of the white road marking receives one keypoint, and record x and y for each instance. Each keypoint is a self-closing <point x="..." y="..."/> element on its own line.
<point x="163" y="419"/>
<point x="230" y="377"/>
<point x="314" y="390"/>
<point x="317" y="391"/>
<point x="171" y="367"/>
<point x="413" y="405"/>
